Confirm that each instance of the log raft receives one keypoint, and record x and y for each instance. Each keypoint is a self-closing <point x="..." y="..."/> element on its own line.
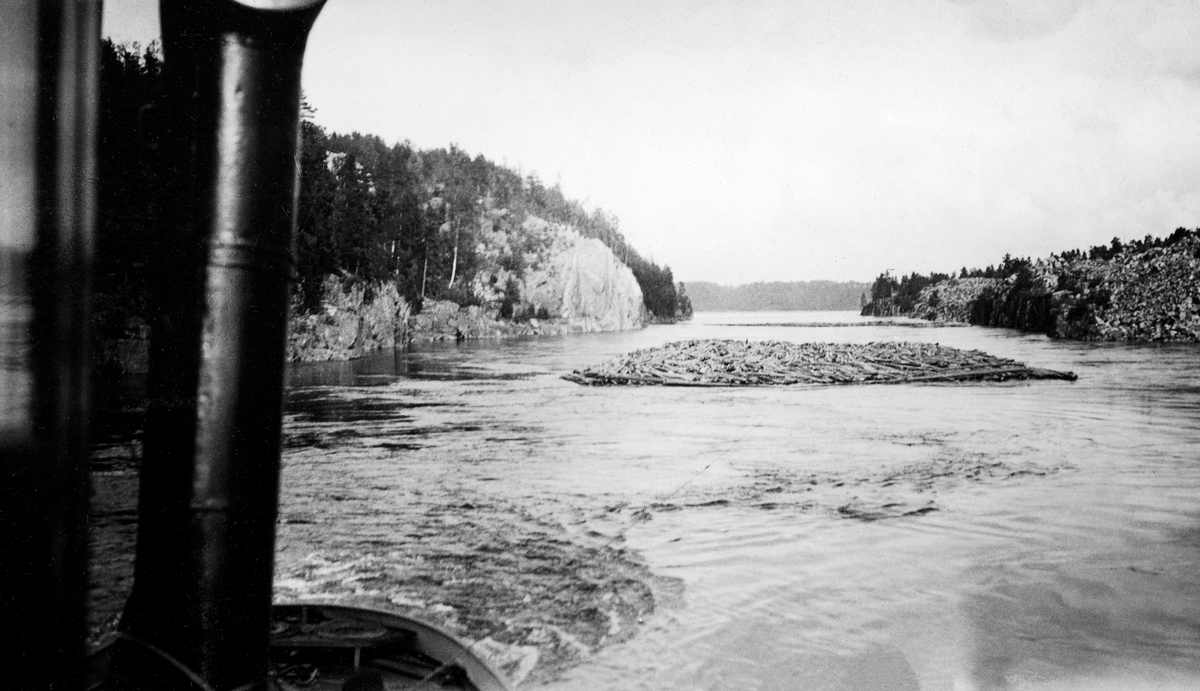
<point x="911" y="324"/>
<point x="714" y="362"/>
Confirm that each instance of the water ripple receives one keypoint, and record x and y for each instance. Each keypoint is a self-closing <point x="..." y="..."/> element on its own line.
<point x="1035" y="535"/>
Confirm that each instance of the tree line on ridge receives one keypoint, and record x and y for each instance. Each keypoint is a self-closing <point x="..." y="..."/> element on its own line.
<point x="904" y="291"/>
<point x="368" y="210"/>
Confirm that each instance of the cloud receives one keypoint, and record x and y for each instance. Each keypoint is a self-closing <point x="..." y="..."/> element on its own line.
<point x="1011" y="20"/>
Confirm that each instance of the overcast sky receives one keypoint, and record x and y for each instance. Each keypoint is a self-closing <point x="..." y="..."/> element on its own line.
<point x="790" y="140"/>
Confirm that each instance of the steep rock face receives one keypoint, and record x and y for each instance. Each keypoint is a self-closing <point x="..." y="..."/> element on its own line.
<point x="883" y="307"/>
<point x="583" y="283"/>
<point x="551" y="279"/>
<point x="562" y="276"/>
<point x="557" y="282"/>
<point x="1024" y="303"/>
<point x="953" y="300"/>
<point x="353" y="320"/>
<point x="599" y="292"/>
<point x="1150" y="295"/>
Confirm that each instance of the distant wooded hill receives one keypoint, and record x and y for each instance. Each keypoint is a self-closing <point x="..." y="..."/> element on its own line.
<point x="799" y="295"/>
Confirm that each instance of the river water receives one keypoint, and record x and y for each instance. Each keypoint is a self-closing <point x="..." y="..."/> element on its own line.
<point x="1031" y="535"/>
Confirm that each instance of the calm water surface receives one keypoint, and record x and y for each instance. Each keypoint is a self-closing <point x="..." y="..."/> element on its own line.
<point x="1060" y="548"/>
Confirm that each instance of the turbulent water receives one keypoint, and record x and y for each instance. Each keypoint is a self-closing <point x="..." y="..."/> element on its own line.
<point x="1034" y="535"/>
<point x="1027" y="535"/>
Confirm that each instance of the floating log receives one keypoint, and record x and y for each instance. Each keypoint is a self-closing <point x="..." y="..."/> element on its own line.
<point x="716" y="362"/>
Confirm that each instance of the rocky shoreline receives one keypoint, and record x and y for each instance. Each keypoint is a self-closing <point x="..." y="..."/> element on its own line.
<point x="348" y="325"/>
<point x="566" y="284"/>
<point x="1142" y="296"/>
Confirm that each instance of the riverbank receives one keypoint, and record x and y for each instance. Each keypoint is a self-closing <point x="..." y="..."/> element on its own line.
<point x="357" y="320"/>
<point x="1147" y="295"/>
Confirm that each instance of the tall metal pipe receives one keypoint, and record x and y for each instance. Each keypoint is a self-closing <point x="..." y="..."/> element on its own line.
<point x="209" y="483"/>
<point x="47" y="159"/>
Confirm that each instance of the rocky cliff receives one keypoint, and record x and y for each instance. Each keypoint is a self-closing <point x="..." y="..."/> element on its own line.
<point x="355" y="318"/>
<point x="953" y="300"/>
<point x="581" y="282"/>
<point x="1146" y="296"/>
<point x="540" y="279"/>
<point x="1149" y="295"/>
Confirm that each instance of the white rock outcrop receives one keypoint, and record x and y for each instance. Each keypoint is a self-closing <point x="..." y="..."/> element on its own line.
<point x="583" y="283"/>
<point x="557" y="282"/>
